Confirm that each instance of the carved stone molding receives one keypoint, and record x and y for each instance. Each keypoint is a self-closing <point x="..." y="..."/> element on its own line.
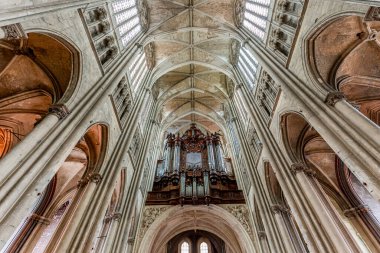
<point x="40" y="219"/>
<point x="234" y="52"/>
<point x="60" y="110"/>
<point x="149" y="216"/>
<point x="240" y="212"/>
<point x="92" y="177"/>
<point x="149" y="56"/>
<point x="333" y="97"/>
<point x="113" y="216"/>
<point x="301" y="167"/>
<point x="144" y="15"/>
<point x="356" y="210"/>
<point x="261" y="234"/>
<point x="13" y="32"/>
<point x="239" y="12"/>
<point x="373" y="14"/>
<point x="280" y="209"/>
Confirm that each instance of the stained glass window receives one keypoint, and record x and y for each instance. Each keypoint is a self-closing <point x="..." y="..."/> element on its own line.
<point x="255" y="16"/>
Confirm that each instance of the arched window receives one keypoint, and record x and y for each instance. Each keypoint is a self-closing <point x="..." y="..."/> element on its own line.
<point x="255" y="16"/>
<point x="185" y="247"/>
<point x="204" y="247"/>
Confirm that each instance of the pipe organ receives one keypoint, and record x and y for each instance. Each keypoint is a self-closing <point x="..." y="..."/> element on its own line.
<point x="194" y="171"/>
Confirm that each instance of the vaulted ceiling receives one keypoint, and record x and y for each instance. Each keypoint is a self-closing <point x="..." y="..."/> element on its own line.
<point x="193" y="75"/>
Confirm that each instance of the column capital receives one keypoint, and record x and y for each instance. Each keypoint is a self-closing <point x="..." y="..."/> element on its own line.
<point x="113" y="216"/>
<point x="333" y="97"/>
<point x="261" y="234"/>
<point x="301" y="167"/>
<point x="351" y="212"/>
<point x="60" y="110"/>
<point x="91" y="177"/>
<point x="39" y="219"/>
<point x="277" y="208"/>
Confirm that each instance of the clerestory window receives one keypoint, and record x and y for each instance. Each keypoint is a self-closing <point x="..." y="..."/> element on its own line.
<point x="137" y="70"/>
<point x="248" y="66"/>
<point x="127" y="19"/>
<point x="255" y="16"/>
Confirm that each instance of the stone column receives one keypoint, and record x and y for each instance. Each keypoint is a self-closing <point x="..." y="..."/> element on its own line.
<point x="331" y="224"/>
<point x="301" y="195"/>
<point x="354" y="143"/>
<point x="278" y="211"/>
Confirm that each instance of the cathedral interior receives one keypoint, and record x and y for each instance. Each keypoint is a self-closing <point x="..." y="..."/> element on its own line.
<point x="190" y="126"/>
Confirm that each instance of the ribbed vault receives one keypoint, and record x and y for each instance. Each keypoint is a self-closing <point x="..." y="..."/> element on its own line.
<point x="193" y="74"/>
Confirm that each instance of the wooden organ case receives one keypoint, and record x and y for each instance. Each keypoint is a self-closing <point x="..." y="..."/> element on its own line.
<point x="194" y="171"/>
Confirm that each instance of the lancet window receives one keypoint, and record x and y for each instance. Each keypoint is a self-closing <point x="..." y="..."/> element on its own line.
<point x="255" y="17"/>
<point x="203" y="247"/>
<point x="248" y="66"/>
<point x="185" y="248"/>
<point x="127" y="19"/>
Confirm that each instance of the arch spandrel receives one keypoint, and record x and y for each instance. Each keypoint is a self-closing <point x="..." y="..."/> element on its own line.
<point x="175" y="220"/>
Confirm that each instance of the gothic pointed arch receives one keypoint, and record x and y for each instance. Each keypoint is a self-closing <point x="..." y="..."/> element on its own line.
<point x="312" y="155"/>
<point x="56" y="206"/>
<point x="39" y="73"/>
<point x="343" y="54"/>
